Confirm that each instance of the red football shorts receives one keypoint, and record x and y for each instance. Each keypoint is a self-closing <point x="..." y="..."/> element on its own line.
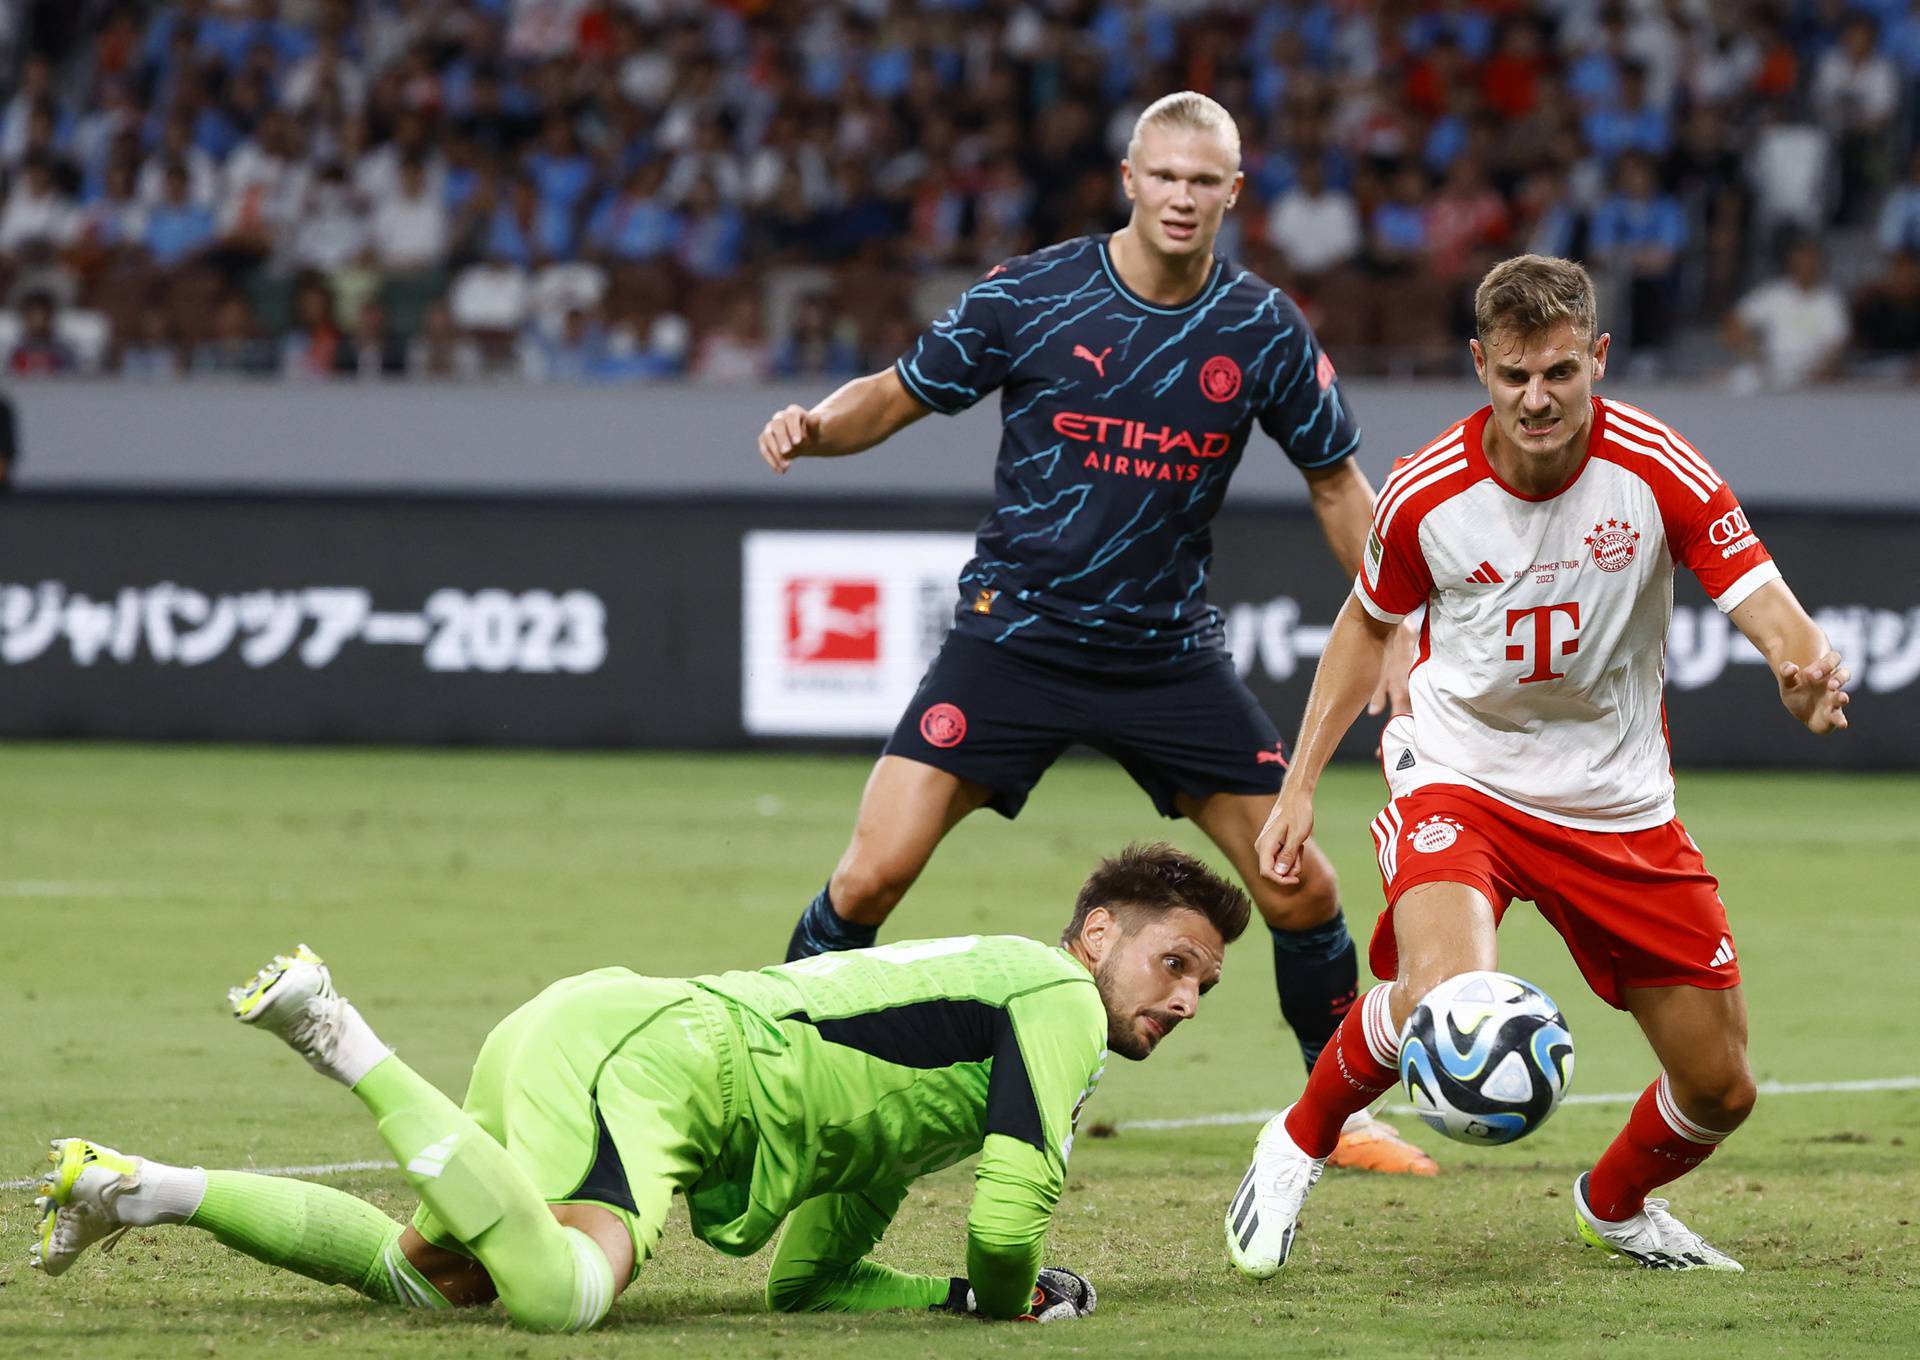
<point x="1636" y="908"/>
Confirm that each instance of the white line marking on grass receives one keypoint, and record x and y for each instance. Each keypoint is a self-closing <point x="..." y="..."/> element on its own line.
<point x="59" y="888"/>
<point x="315" y="1169"/>
<point x="1767" y="1088"/>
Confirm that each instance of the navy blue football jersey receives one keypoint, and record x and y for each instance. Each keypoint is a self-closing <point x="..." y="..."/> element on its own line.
<point x="1123" y="422"/>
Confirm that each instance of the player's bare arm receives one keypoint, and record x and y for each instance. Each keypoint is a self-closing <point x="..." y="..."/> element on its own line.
<point x="1345" y="677"/>
<point x="1343" y="503"/>
<point x="1813" y="682"/>
<point x="855" y="417"/>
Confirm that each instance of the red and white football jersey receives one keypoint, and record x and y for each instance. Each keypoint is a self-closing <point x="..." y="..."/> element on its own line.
<point x="1543" y="653"/>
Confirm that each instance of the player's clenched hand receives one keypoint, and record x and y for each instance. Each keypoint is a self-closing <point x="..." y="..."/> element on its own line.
<point x="1817" y="694"/>
<point x="1058" y="1294"/>
<point x="1279" y="845"/>
<point x="790" y="432"/>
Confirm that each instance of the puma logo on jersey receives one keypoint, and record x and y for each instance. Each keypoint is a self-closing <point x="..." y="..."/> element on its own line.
<point x="1099" y="361"/>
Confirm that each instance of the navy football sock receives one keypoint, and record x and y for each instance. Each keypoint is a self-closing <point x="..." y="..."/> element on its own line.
<point x="1317" y="972"/>
<point x="821" y="931"/>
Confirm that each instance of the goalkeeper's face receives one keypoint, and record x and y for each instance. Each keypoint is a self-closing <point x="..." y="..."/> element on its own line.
<point x="1151" y="969"/>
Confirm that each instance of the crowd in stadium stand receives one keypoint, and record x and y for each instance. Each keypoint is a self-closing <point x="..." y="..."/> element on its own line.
<point x="604" y="190"/>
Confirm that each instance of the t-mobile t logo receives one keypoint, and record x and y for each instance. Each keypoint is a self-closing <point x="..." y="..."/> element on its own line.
<point x="1543" y="649"/>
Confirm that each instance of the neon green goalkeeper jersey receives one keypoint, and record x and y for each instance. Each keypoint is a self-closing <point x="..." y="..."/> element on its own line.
<point x="870" y="1068"/>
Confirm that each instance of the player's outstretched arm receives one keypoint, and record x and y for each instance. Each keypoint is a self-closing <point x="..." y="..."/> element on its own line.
<point x="1348" y="669"/>
<point x="855" y="417"/>
<point x="1813" y="682"/>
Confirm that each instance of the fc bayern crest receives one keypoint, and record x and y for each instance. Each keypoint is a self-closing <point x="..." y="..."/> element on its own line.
<point x="1612" y="544"/>
<point x="943" y="725"/>
<point x="1220" y="378"/>
<point x="1434" y="834"/>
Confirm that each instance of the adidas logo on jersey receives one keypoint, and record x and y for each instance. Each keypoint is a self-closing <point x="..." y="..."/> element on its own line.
<point x="1406" y="760"/>
<point x="1487" y="575"/>
<point x="1724" y="954"/>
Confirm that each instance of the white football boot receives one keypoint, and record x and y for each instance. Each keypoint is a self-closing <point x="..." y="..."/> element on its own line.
<point x="1265" y="1210"/>
<point x="294" y="998"/>
<point x="1652" y="1238"/>
<point x="76" y="1201"/>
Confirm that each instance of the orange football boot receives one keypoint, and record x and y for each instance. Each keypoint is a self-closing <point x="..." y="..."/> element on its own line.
<point x="1367" y="1144"/>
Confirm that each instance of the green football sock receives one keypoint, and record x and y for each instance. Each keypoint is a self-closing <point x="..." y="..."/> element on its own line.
<point x="550" y="1278"/>
<point x="313" y="1230"/>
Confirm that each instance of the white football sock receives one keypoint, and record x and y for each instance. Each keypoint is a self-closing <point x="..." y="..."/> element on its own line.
<point x="161" y="1194"/>
<point x="358" y="1050"/>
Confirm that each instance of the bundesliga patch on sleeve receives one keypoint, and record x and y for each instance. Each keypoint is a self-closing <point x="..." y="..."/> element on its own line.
<point x="1372" y="556"/>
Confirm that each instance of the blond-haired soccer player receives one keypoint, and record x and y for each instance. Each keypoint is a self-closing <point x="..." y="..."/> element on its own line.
<point x="1541" y="535"/>
<point x="1132" y="368"/>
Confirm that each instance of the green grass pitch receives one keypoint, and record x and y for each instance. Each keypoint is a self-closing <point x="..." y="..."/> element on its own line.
<point x="136" y="883"/>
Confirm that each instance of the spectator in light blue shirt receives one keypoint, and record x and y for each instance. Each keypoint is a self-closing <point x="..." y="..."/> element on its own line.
<point x="714" y="234"/>
<point x="1469" y="28"/>
<point x="1397" y="232"/>
<point x="177" y="228"/>
<point x="559" y="169"/>
<point x="1637" y="234"/>
<point x="528" y="229"/>
<point x="1900" y="215"/>
<point x="635" y="222"/>
<point x="1630" y="123"/>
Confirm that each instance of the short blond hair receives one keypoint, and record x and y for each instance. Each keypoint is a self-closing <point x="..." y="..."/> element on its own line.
<point x="1527" y="295"/>
<point x="1190" y="110"/>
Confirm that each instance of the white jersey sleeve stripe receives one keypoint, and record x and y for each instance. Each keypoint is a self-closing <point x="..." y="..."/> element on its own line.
<point x="1674" y="446"/>
<point x="1665" y="460"/>
<point x="1406" y="473"/>
<point x="1366" y="603"/>
<point x="1736" y="594"/>
<point x="1648" y="428"/>
<point x="1647" y="418"/>
<point x="1400" y="486"/>
<point x="1441" y="473"/>
<point x="1457" y="432"/>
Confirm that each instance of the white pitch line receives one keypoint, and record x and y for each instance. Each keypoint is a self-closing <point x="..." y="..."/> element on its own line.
<point x="1767" y="1088"/>
<point x="315" y="1169"/>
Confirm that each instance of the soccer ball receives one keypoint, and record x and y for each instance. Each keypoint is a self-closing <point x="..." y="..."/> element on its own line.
<point x="1485" y="1057"/>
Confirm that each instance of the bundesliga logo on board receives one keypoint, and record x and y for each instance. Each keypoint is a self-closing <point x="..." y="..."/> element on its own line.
<point x="1612" y="544"/>
<point x="833" y="621"/>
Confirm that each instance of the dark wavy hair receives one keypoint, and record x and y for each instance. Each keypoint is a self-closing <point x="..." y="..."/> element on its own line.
<point x="1155" y="878"/>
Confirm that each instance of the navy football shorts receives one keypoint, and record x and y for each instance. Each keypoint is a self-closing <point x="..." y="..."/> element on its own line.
<point x="1000" y="718"/>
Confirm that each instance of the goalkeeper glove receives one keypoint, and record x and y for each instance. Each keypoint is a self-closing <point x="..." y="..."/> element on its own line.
<point x="1057" y="1294"/>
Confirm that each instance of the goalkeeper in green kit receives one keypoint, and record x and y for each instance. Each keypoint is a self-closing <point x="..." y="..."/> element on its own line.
<point x="810" y="1094"/>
